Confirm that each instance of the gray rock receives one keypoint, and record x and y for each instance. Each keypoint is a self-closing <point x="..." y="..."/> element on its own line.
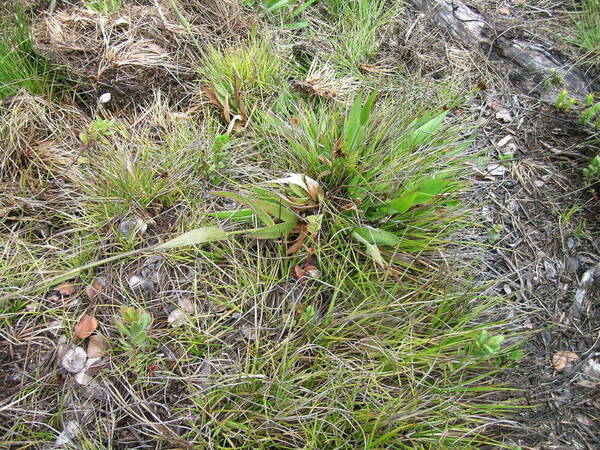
<point x="572" y="264"/>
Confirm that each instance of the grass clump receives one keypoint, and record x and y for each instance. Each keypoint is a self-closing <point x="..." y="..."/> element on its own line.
<point x="103" y="6"/>
<point x="20" y="66"/>
<point x="352" y="28"/>
<point x="588" y="26"/>
<point x="238" y="79"/>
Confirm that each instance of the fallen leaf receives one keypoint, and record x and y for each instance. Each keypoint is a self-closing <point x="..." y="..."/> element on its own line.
<point x="495" y="106"/>
<point x="312" y="271"/>
<point x="97" y="286"/>
<point x="96" y="346"/>
<point x="54" y="297"/>
<point x="299" y="272"/>
<point x="177" y="318"/>
<point x="74" y="359"/>
<point x="504" y="115"/>
<point x="83" y="378"/>
<point x="85" y="326"/>
<point x="299" y="242"/>
<point x="496" y="170"/>
<point x="563" y="359"/>
<point x="504" y="11"/>
<point x="67" y="289"/>
<point x="186" y="305"/>
<point x="249" y="332"/>
<point x="71" y="429"/>
<point x="212" y="97"/>
<point x="152" y="368"/>
<point x="311" y="186"/>
<point x="518" y="2"/>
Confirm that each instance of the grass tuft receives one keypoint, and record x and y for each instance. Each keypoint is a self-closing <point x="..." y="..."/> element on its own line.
<point x="21" y="67"/>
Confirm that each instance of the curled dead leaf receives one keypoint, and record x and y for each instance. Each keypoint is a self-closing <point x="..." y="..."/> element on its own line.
<point x="563" y="359"/>
<point x="311" y="186"/>
<point x="96" y="346"/>
<point x="97" y="286"/>
<point x="67" y="289"/>
<point x="86" y="326"/>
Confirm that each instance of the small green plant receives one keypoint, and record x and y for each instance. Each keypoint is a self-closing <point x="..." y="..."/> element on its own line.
<point x="485" y="346"/>
<point x="591" y="113"/>
<point x="489" y="347"/>
<point x="218" y="159"/>
<point x="494" y="233"/>
<point x="554" y="79"/>
<point x="564" y="102"/>
<point x="133" y="326"/>
<point x="593" y="168"/>
<point x="103" y="6"/>
<point x="505" y="158"/>
<point x="98" y="131"/>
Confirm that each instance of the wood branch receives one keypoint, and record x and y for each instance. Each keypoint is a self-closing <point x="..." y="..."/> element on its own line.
<point x="533" y="67"/>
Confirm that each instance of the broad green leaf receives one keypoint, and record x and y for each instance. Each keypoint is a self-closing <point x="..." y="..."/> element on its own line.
<point x="295" y="25"/>
<point x="421" y="193"/>
<point x="352" y="124"/>
<point x="377" y="236"/>
<point x="366" y="109"/>
<point x="278" y="5"/>
<point x="495" y="341"/>
<point x="372" y="249"/>
<point x="424" y="133"/>
<point x="274" y="232"/>
<point x="430" y="188"/>
<point x="404" y="202"/>
<point x="238" y="215"/>
<point x="276" y="210"/>
<point x="194" y="237"/>
<point x="261" y="214"/>
<point x="298" y="9"/>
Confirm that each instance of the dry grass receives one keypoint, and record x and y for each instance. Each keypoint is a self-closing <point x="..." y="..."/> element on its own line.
<point x="39" y="137"/>
<point x="139" y="48"/>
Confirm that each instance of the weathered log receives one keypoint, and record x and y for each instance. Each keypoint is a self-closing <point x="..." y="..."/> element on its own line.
<point x="533" y="67"/>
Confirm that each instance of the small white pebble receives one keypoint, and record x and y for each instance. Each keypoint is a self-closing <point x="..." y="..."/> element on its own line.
<point x="105" y="98"/>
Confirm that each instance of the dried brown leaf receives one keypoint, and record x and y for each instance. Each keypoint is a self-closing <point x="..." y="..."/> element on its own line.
<point x="97" y="286"/>
<point x="563" y="359"/>
<point x="212" y="97"/>
<point x="299" y="242"/>
<point x="96" y="346"/>
<point x="86" y="326"/>
<point x="66" y="289"/>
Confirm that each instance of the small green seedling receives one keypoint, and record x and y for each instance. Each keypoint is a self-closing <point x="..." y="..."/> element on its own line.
<point x="486" y="346"/>
<point x="505" y="158"/>
<point x="563" y="101"/>
<point x="219" y="158"/>
<point x="98" y="131"/>
<point x="591" y="114"/>
<point x="494" y="233"/>
<point x="593" y="168"/>
<point x="308" y="315"/>
<point x="133" y="327"/>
